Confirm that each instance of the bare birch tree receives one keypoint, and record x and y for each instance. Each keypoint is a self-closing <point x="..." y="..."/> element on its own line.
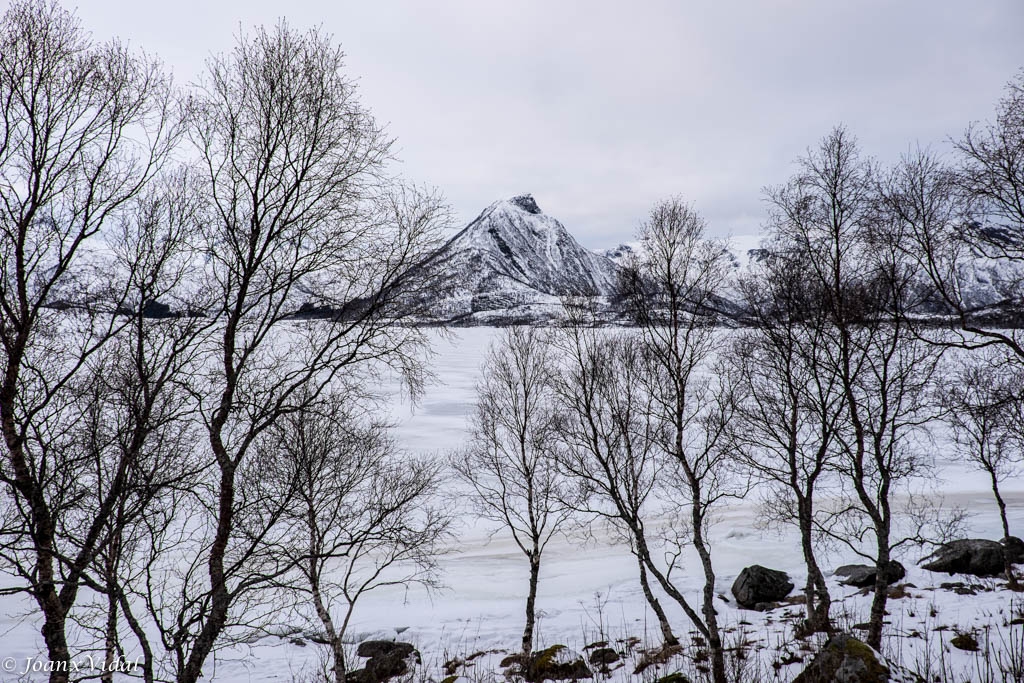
<point x="830" y="212"/>
<point x="510" y="461"/>
<point x="671" y="290"/>
<point x="609" y="451"/>
<point x="983" y="408"/>
<point x="364" y="516"/>
<point x="297" y="210"/>
<point x="788" y="407"/>
<point x="84" y="127"/>
<point x="139" y="429"/>
<point x="970" y="210"/>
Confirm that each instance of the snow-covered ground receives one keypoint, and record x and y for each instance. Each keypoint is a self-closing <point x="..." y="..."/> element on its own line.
<point x="588" y="590"/>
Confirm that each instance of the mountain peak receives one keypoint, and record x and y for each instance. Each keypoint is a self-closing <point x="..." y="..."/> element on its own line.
<point x="526" y="202"/>
<point x="514" y="261"/>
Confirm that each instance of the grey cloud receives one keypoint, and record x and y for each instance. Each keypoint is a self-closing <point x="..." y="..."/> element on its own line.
<point x="601" y="108"/>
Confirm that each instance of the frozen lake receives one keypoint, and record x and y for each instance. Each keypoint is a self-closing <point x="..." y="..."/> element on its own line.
<point x="486" y="576"/>
<point x="586" y="587"/>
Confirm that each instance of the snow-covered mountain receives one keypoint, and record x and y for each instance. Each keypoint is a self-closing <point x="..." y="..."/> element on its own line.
<point x="991" y="286"/>
<point x="513" y="263"/>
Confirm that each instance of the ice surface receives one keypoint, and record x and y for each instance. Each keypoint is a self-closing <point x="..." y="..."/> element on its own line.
<point x="586" y="588"/>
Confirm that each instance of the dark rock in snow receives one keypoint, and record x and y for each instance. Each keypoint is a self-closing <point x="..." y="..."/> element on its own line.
<point x="1013" y="547"/>
<point x="387" y="659"/>
<point x="863" y="575"/>
<point x="844" y="659"/>
<point x="604" y="655"/>
<point x="965" y="641"/>
<point x="974" y="556"/>
<point x="156" y="309"/>
<point x="555" y="663"/>
<point x="757" y="584"/>
<point x="527" y="203"/>
<point x="375" y="648"/>
<point x="674" y="677"/>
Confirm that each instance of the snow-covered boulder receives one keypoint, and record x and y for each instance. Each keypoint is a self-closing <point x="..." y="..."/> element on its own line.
<point x="844" y="659"/>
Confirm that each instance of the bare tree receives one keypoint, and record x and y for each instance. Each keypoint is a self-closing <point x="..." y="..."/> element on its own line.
<point x="992" y="174"/>
<point x="83" y="128"/>
<point x="364" y="517"/>
<point x="983" y="408"/>
<point x="788" y="406"/>
<point x="671" y="291"/>
<point x="139" y="428"/>
<point x="970" y="211"/>
<point x="830" y="212"/>
<point x="608" y="448"/>
<point x="510" y="461"/>
<point x="298" y="214"/>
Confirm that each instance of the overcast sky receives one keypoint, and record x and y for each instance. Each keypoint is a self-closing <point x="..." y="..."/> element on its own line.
<point x="601" y="108"/>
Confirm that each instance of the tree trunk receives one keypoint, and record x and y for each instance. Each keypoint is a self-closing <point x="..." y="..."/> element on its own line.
<point x="708" y="608"/>
<point x="220" y="600"/>
<point x="44" y="589"/>
<point x="531" y="602"/>
<point x="110" y="640"/>
<point x="53" y="630"/>
<point x="148" y="675"/>
<point x="1001" y="503"/>
<point x="322" y="613"/>
<point x="818" y="601"/>
<point x="667" y="585"/>
<point x="659" y="612"/>
<point x="877" y="620"/>
<point x="337" y="647"/>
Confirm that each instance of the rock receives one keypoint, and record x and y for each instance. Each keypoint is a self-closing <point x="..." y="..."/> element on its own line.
<point x="374" y="648"/>
<point x="603" y="655"/>
<point x="516" y="659"/>
<point x="527" y="203"/>
<point x="844" y="659"/>
<point x="658" y="656"/>
<point x="975" y="556"/>
<point x="758" y="584"/>
<point x="1013" y="547"/>
<point x="863" y="575"/>
<point x="357" y="676"/>
<point x="156" y="309"/>
<point x="675" y="677"/>
<point x="387" y="659"/>
<point x="965" y="641"/>
<point x="899" y="591"/>
<point x="555" y="663"/>
<point x="384" y="667"/>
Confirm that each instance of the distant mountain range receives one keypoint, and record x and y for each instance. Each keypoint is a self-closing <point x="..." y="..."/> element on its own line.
<point x="513" y="263"/>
